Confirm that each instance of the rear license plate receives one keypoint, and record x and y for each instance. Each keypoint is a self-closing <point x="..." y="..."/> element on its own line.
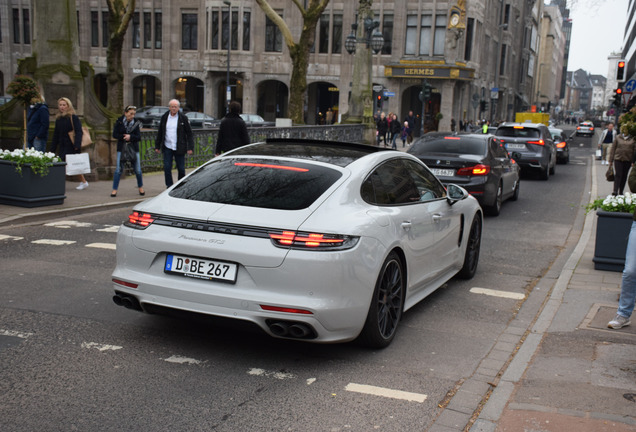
<point x="443" y="172"/>
<point x="516" y="146"/>
<point x="201" y="268"/>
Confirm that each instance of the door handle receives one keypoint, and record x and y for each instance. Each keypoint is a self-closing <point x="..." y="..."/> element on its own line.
<point x="406" y="225"/>
<point x="437" y="217"/>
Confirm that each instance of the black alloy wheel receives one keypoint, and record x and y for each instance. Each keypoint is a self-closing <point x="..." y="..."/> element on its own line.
<point x="473" y="246"/>
<point x="386" y="306"/>
<point x="495" y="208"/>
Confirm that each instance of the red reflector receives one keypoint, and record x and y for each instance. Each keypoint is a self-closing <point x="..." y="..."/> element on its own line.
<point x="591" y="128"/>
<point x="261" y="165"/>
<point x="453" y="138"/>
<point x="126" y="284"/>
<point x="140" y="219"/>
<point x="285" y="309"/>
<point x="477" y="170"/>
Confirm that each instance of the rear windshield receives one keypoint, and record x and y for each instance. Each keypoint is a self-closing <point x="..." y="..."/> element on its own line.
<point x="256" y="182"/>
<point x="521" y="132"/>
<point x="451" y="144"/>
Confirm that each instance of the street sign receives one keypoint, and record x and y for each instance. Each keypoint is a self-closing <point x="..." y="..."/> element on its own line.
<point x="626" y="97"/>
<point x="630" y="86"/>
<point x="377" y="88"/>
<point x="389" y="94"/>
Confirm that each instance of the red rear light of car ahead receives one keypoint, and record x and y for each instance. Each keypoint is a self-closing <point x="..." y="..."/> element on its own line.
<point x="591" y="128"/>
<point x="561" y="144"/>
<point x="139" y="220"/>
<point x="540" y="142"/>
<point x="315" y="241"/>
<point x="126" y="284"/>
<point x="476" y="170"/>
<point x="578" y="127"/>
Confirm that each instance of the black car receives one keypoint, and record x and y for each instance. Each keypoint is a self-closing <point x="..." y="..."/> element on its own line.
<point x="534" y="145"/>
<point x="254" y="120"/>
<point x="477" y="162"/>
<point x="561" y="141"/>
<point x="150" y="116"/>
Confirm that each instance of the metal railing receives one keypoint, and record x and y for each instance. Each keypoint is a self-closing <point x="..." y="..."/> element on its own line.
<point x="205" y="141"/>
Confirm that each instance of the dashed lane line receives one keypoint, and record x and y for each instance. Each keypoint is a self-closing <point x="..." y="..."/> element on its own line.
<point x="54" y="242"/>
<point x="111" y="246"/>
<point x="15" y="333"/>
<point x="497" y="293"/>
<point x="385" y="392"/>
<point x="100" y="347"/>
<point x="8" y="237"/>
<point x="68" y="224"/>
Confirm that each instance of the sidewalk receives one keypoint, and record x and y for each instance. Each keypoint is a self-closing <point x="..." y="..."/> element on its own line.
<point x="555" y="368"/>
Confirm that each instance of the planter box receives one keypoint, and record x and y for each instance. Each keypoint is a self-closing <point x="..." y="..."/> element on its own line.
<point x="29" y="189"/>
<point x="612" y="232"/>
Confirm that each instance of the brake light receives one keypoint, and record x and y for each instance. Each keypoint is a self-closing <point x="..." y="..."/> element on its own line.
<point x="591" y="128"/>
<point x="578" y="127"/>
<point x="262" y="165"/>
<point x="452" y="138"/>
<point x="561" y="144"/>
<point x="517" y="127"/>
<point x="317" y="241"/>
<point x="540" y="142"/>
<point x="477" y="170"/>
<point x="139" y="220"/>
<point x="285" y="309"/>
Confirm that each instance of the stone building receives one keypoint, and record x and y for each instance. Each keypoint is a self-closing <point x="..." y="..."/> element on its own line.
<point x="481" y="57"/>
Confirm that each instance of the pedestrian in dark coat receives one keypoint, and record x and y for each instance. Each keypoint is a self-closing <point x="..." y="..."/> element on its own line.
<point x="174" y="140"/>
<point x="232" y="131"/>
<point x="66" y="122"/>
<point x="127" y="132"/>
<point x="38" y="124"/>
<point x="383" y="127"/>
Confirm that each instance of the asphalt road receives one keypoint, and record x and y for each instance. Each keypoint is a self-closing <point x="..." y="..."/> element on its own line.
<point x="72" y="360"/>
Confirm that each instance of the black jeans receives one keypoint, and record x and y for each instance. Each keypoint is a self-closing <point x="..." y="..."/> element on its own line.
<point x="621" y="170"/>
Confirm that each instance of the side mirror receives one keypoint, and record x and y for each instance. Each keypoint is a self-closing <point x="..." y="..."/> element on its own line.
<point x="455" y="193"/>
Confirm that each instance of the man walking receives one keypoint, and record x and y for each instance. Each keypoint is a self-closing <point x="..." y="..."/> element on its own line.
<point x="604" y="143"/>
<point x="233" y="131"/>
<point x="174" y="139"/>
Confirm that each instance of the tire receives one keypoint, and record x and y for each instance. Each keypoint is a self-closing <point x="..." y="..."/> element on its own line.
<point x="495" y="208"/>
<point x="387" y="304"/>
<point x="473" y="246"/>
<point x="515" y="194"/>
<point x="545" y="174"/>
<point x="552" y="168"/>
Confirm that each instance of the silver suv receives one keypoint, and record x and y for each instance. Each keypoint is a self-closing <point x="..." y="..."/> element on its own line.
<point x="585" y="128"/>
<point x="532" y="146"/>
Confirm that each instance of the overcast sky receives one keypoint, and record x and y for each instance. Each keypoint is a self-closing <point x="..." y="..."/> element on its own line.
<point x="597" y="30"/>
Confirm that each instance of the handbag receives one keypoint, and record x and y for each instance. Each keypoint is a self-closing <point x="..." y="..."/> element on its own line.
<point x="78" y="163"/>
<point x="128" y="156"/>
<point x="86" y="136"/>
<point x="598" y="153"/>
<point x="609" y="175"/>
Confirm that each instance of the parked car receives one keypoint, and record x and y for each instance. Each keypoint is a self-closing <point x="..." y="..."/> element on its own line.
<point x="150" y="116"/>
<point x="477" y="162"/>
<point x="254" y="120"/>
<point x="5" y="99"/>
<point x="201" y="120"/>
<point x="311" y="240"/>
<point x="533" y="144"/>
<point x="585" y="128"/>
<point x="561" y="141"/>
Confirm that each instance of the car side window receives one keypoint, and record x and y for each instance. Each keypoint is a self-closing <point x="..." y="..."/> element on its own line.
<point x="428" y="186"/>
<point x="390" y="184"/>
<point x="498" y="149"/>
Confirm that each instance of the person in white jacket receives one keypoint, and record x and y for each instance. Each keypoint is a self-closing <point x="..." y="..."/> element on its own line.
<point x="604" y="143"/>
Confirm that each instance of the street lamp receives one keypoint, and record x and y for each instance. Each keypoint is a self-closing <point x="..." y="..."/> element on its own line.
<point x="373" y="38"/>
<point x="228" y="88"/>
<point x="361" y="104"/>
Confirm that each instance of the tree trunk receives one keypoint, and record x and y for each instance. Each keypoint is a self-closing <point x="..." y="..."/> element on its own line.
<point x="120" y="13"/>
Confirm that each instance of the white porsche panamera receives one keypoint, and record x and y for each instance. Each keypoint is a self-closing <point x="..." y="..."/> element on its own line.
<point x="313" y="240"/>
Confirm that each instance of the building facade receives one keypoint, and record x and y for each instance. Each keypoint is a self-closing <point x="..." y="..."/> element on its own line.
<point x="481" y="57"/>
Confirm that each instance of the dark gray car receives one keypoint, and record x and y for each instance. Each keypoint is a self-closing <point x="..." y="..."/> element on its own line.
<point x="533" y="144"/>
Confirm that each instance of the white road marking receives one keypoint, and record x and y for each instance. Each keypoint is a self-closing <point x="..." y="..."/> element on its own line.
<point x="495" y="293"/>
<point x="102" y="245"/>
<point x="310" y="381"/>
<point x="100" y="347"/>
<point x="182" y="360"/>
<point x="53" y="242"/>
<point x="8" y="237"/>
<point x="68" y="224"/>
<point x="274" y="374"/>
<point x="15" y="333"/>
<point x="109" y="228"/>
<point x="385" y="392"/>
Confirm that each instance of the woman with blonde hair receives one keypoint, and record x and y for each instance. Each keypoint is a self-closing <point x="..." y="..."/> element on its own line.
<point x="66" y="122"/>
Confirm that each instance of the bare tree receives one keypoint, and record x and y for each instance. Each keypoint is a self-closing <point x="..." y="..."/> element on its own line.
<point x="119" y="14"/>
<point x="298" y="51"/>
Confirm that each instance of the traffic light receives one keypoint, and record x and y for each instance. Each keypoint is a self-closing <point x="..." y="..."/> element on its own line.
<point x="483" y="105"/>
<point x="620" y="71"/>
<point x="618" y="95"/>
<point x="379" y="101"/>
